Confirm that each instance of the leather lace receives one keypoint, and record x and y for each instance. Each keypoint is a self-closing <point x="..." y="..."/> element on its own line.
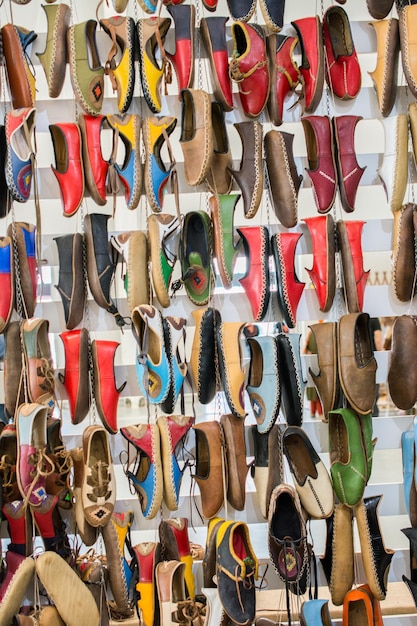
<point x="190" y="613"/>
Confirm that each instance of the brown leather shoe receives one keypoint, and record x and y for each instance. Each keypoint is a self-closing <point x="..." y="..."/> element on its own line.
<point x="403" y="261"/>
<point x="407" y="14"/>
<point x="266" y="469"/>
<point x="219" y="178"/>
<point x="357" y="364"/>
<point x="249" y="176"/>
<point x="21" y="80"/>
<point x="379" y="9"/>
<point x="403" y="363"/>
<point x="210" y="469"/>
<point x="326" y="380"/>
<point x="337" y="561"/>
<point x="387" y="57"/>
<point x="196" y="139"/>
<point x="232" y="373"/>
<point x="237" y="468"/>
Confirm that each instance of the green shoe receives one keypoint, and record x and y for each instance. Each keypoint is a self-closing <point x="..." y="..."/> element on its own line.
<point x="54" y="57"/>
<point x="225" y="249"/>
<point x="86" y="72"/>
<point x="195" y="254"/>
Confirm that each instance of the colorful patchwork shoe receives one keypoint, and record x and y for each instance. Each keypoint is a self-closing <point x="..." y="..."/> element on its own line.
<point x="175" y="545"/>
<point x="127" y="127"/>
<point x="20" y="151"/>
<point x="132" y="248"/>
<point x="69" y="170"/>
<point x="6" y="282"/>
<point x="147" y="555"/>
<point x="266" y="469"/>
<point x="20" y="572"/>
<point x="98" y="491"/>
<point x="86" y="72"/>
<point x="71" y="284"/>
<point x="204" y="353"/>
<point x="121" y="72"/>
<point x="263" y="384"/>
<point x="173" y="431"/>
<point x="183" y="57"/>
<point x="23" y="237"/>
<point x="145" y="474"/>
<point x="213" y="34"/>
<point x="232" y="373"/>
<point x="39" y="366"/>
<point x="164" y="236"/>
<point x="195" y="256"/>
<point x="53" y="59"/>
<point x="174" y="336"/>
<point x="76" y="377"/>
<point x="156" y="132"/>
<point x="8" y="457"/>
<point x="95" y="166"/>
<point x="289" y="288"/>
<point x="14" y="394"/>
<point x="21" y="79"/>
<point x="106" y="393"/>
<point x="226" y="251"/>
<point x="256" y="279"/>
<point x="120" y="575"/>
<point x="151" y="33"/>
<point x="152" y="363"/>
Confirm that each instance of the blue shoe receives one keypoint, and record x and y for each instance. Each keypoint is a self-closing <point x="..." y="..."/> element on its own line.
<point x="173" y="430"/>
<point x="156" y="132"/>
<point x="263" y="384"/>
<point x="174" y="335"/>
<point x="408" y="453"/>
<point x="315" y="613"/>
<point x="128" y="128"/>
<point x="20" y="129"/>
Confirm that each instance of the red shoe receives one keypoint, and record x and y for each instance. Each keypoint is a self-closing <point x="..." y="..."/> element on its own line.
<point x="175" y="545"/>
<point x="323" y="273"/>
<point x="213" y="35"/>
<point x="105" y="390"/>
<point x="183" y="57"/>
<point x="256" y="279"/>
<point x="18" y="522"/>
<point x="284" y="71"/>
<point x="76" y="377"/>
<point x="95" y="167"/>
<point x="6" y="282"/>
<point x="312" y="66"/>
<point x="354" y="275"/>
<point x="289" y="288"/>
<point x="320" y="153"/>
<point x="69" y="170"/>
<point x="343" y="72"/>
<point x="248" y="67"/>
<point x="349" y="171"/>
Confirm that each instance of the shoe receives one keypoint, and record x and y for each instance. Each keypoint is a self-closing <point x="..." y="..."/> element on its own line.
<point x="156" y="132"/>
<point x="132" y="249"/>
<point x="290" y="376"/>
<point x="50" y="526"/>
<point x="195" y="253"/>
<point x="20" y="76"/>
<point x="6" y="282"/>
<point x="315" y="611"/>
<point x="173" y="431"/>
<point x="241" y="9"/>
<point x="213" y="35"/>
<point x="225" y="249"/>
<point x="5" y="199"/>
<point x="164" y="235"/>
<point x="69" y="170"/>
<point x="263" y="385"/>
<point x="94" y="573"/>
<point x="86" y="71"/>
<point x="210" y="469"/>
<point x="273" y="14"/>
<point x="237" y="467"/>
<point x="106" y="393"/>
<point x="348" y="169"/>
<point x="407" y="15"/>
<point x="248" y="67"/>
<point x="394" y="169"/>
<point x="95" y="166"/>
<point x="358" y="608"/>
<point x="214" y="609"/>
<point x="151" y="35"/>
<point x="310" y="35"/>
<point x="403" y="268"/>
<point x="121" y="30"/>
<point x="204" y="353"/>
<point x="379" y="9"/>
<point x="289" y="288"/>
<point x="196" y="138"/>
<point x="388" y="48"/>
<point x="230" y="362"/>
<point x="284" y="73"/>
<point x="54" y="58"/>
<point x="71" y="285"/>
<point x="147" y="556"/>
<point x="87" y="533"/>
<point x="175" y="546"/>
<point x="219" y="178"/>
<point x="343" y="72"/>
<point x="249" y="176"/>
<point x="98" y="491"/>
<point x="404" y="338"/>
<point x="20" y="572"/>
<point x="326" y="381"/>
<point x="183" y="57"/>
<point x="354" y="276"/>
<point x="170" y="583"/>
<point x="8" y="457"/>
<point x="57" y="483"/>
<point x="323" y="273"/>
<point x="20" y="151"/>
<point x="38" y="360"/>
<point x="127" y="128"/>
<point x="146" y="476"/>
<point x="13" y="388"/>
<point x="152" y="363"/>
<point x="284" y="181"/>
<point x="407" y="457"/>
<point x="338" y="560"/>
<point x="174" y="337"/>
<point x="356" y="362"/>
<point x="319" y="136"/>
<point x="311" y="478"/>
<point x="115" y="536"/>
<point x="23" y="236"/>
<point x="76" y="377"/>
<point x="255" y="281"/>
<point x="210" y="554"/>
<point x="266" y="470"/>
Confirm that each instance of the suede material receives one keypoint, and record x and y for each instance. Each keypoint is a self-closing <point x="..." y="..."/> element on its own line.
<point x="249" y="176"/>
<point x="403" y="362"/>
<point x="196" y="138"/>
<point x="388" y="48"/>
<point x="71" y="285"/>
<point x="210" y="472"/>
<point x="338" y="560"/>
<point x="86" y="72"/>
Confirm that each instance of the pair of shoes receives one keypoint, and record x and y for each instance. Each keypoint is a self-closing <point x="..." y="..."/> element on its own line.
<point x="132" y="252"/>
<point x="160" y="367"/>
<point x="20" y="152"/>
<point x="332" y="159"/>
<point x="221" y="467"/>
<point x="346" y="362"/>
<point x="404" y="337"/>
<point x="155" y="474"/>
<point x="347" y="236"/>
<point x="153" y="59"/>
<point x="76" y="377"/>
<point x="21" y="79"/>
<point x="361" y="606"/>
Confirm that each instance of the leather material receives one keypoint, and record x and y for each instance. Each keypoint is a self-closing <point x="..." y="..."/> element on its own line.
<point x="122" y="31"/>
<point x="283" y="71"/>
<point x="183" y="57"/>
<point x="6" y="282"/>
<point x="263" y="385"/>
<point x="210" y="470"/>
<point x="53" y="59"/>
<point x="152" y="68"/>
<point x="5" y="199"/>
<point x="156" y="132"/>
<point x="354" y="275"/>
<point x="289" y="287"/>
<point x="175" y="341"/>
<point x="284" y="180"/>
<point x="147" y="555"/>
<point x="319" y="137"/>
<point x="118" y="570"/>
<point x="210" y="556"/>
<point x="13" y="389"/>
<point x="196" y="138"/>
<point x="31" y="443"/>
<point x="348" y="168"/>
<point x="87" y="532"/>
<point x="311" y="478"/>
<point x="98" y="490"/>
<point x="241" y="9"/>
<point x="379" y="9"/>
<point x="106" y="393"/>
<point x="323" y="272"/>
<point x="76" y="377"/>
<point x="225" y="249"/>
<point x="409" y="488"/>
<point x="403" y="263"/>
<point x="173" y="431"/>
<point x="407" y="15"/>
<point x="248" y="67"/>
<point x="132" y="248"/>
<point x="412" y="116"/>
<point x="249" y="176"/>
<point x="343" y="72"/>
<point x="8" y="456"/>
<point x="394" y="169"/>
<point x="20" y="150"/>
<point x="69" y="170"/>
<point x="127" y="128"/>
<point x="169" y="576"/>
<point x="86" y="71"/>
<point x="309" y="33"/>
<point x="338" y="562"/>
<point x="20" y="572"/>
<point x="315" y="611"/>
<point x="71" y="286"/>
<point x="230" y="362"/>
<point x="266" y="470"/>
<point x="292" y="390"/>
<point x="375" y="557"/>
<point x="219" y="178"/>
<point x="21" y="80"/>
<point x="213" y="35"/>
<point x="95" y="166"/>
<point x="326" y="380"/>
<point x="401" y="365"/>
<point x="204" y="353"/>
<point x="273" y="14"/>
<point x="356" y="361"/>
<point x="237" y="468"/>
<point x="196" y="255"/>
<point x="164" y="235"/>
<point x="38" y="361"/>
<point x="175" y="545"/>
<point x="256" y="279"/>
<point x="23" y="236"/>
<point x="387" y="57"/>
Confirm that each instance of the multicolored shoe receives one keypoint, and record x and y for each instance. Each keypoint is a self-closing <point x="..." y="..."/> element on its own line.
<point x="173" y="431"/>
<point x="20" y="151"/>
<point x="120" y="574"/>
<point x="20" y="75"/>
<point x="132" y="248"/>
<point x="164" y="235"/>
<point x="147" y="556"/>
<point x="122" y="73"/>
<point x="39" y="366"/>
<point x="23" y="237"/>
<point x="175" y="545"/>
<point x="6" y="282"/>
<point x="128" y="127"/>
<point x="151" y="34"/>
<point x="86" y="71"/>
<point x="174" y="335"/>
<point x="156" y="132"/>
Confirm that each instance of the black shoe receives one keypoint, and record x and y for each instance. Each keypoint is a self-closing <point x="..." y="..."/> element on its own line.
<point x="71" y="278"/>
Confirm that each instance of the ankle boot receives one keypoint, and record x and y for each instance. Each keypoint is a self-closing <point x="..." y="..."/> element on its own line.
<point x="99" y="265"/>
<point x="106" y="393"/>
<point x="249" y="176"/>
<point x="289" y="288"/>
<point x="284" y="72"/>
<point x="23" y="236"/>
<point x="71" y="285"/>
<point x="387" y="57"/>
<point x="119" y="573"/>
<point x="213" y="35"/>
<point x="338" y="559"/>
<point x="183" y="57"/>
<point x="354" y="275"/>
<point x="53" y="59"/>
<point x="204" y="353"/>
<point x="121" y="30"/>
<point x="349" y="171"/>
<point x="226" y="251"/>
<point x="256" y="279"/>
<point x="76" y="377"/>
<point x="323" y="272"/>
<point x="411" y="534"/>
<point x="321" y="160"/>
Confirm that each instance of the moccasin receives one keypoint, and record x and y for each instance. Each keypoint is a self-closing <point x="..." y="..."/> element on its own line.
<point x="95" y="166"/>
<point x="379" y="9"/>
<point x="326" y="380"/>
<point x="358" y="608"/>
<point x="122" y="31"/>
<point x="175" y="342"/>
<point x="348" y="169"/>
<point x="249" y="176"/>
<point x="13" y="388"/>
<point x="213" y="35"/>
<point x="237" y="467"/>
<point x="225" y="249"/>
<point x="195" y="253"/>
<point x="20" y="150"/>
<point x="20" y="572"/>
<point x="319" y="136"/>
<point x="164" y="237"/>
<point x="152" y="32"/>
<point x="69" y="168"/>
<point x="156" y="132"/>
<point x="132" y="248"/>
<point x="38" y="359"/>
<point x="407" y="14"/>
<point x="283" y="71"/>
<point x="106" y="391"/>
<point x="118" y="572"/>
<point x="232" y="372"/>
<point x="310" y="36"/>
<point x="403" y="261"/>
<point x="291" y="380"/>
<point x="88" y="533"/>
<point x="21" y="80"/>
<point x="338" y="559"/>
<point x="196" y="138"/>
<point x="315" y="611"/>
<point x="23" y="236"/>
<point x="204" y="353"/>
<point x="6" y="282"/>
<point x="54" y="58"/>
<point x="354" y="276"/>
<point x="127" y="129"/>
<point x="263" y="385"/>
<point x="31" y="446"/>
<point x="387" y="57"/>
<point x="256" y="278"/>
<point x="289" y="287"/>
<point x="219" y="178"/>
<point x="241" y="9"/>
<point x="175" y="545"/>
<point x="266" y="469"/>
<point x="170" y="584"/>
<point x="76" y="376"/>
<point x="273" y="14"/>
<point x="210" y="557"/>
<point x="403" y="365"/>
<point x="394" y="169"/>
<point x="147" y="555"/>
<point x="86" y="71"/>
<point x="173" y="430"/>
<point x="182" y="58"/>
<point x="343" y="73"/>
<point x="210" y="470"/>
<point x="71" y="280"/>
<point x="98" y="491"/>
<point x="407" y="458"/>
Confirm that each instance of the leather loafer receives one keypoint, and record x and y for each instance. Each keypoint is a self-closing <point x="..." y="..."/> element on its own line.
<point x="289" y="287"/>
<point x="237" y="467"/>
<point x="196" y="139"/>
<point x="343" y="72"/>
<point x="388" y="49"/>
<point x="326" y="380"/>
<point x="312" y="60"/>
<point x="263" y="384"/>
<point x="394" y="169"/>
<point x="230" y="363"/>
<point x="209" y="469"/>
<point x="338" y="559"/>
<point x="403" y="362"/>
<point x="256" y="279"/>
<point x="266" y="470"/>
<point x="403" y="261"/>
<point x="323" y="272"/>
<point x="195" y="252"/>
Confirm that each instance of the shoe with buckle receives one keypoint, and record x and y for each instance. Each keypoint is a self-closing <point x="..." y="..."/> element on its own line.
<point x="225" y="249"/>
<point x="183" y="57"/>
<point x="98" y="491"/>
<point x="388" y="55"/>
<point x="86" y="71"/>
<point x="195" y="253"/>
<point x="196" y="138"/>
<point x="53" y="58"/>
<point x="151" y="33"/>
<point x="127" y="128"/>
<point x="249" y="176"/>
<point x="343" y="72"/>
<point x="174" y="335"/>
<point x="248" y="67"/>
<point x="156" y="132"/>
<point x="256" y="278"/>
<point x="263" y="385"/>
<point x="21" y="80"/>
<point x="213" y="35"/>
<point x="39" y="367"/>
<point x="289" y="287"/>
<point x="348" y="168"/>
<point x="71" y="285"/>
<point x="323" y="272"/>
<point x="20" y="133"/>
<point x="69" y="169"/>
<point x="95" y="166"/>
<point x="106" y="393"/>
<point x="210" y="466"/>
<point x="338" y="561"/>
<point x="173" y="430"/>
<point x="23" y="236"/>
<point x="164" y="234"/>
<point x="6" y="282"/>
<point x="310" y="36"/>
<point x="132" y="249"/>
<point x="283" y="71"/>
<point x="122" y="31"/>
<point x="76" y="376"/>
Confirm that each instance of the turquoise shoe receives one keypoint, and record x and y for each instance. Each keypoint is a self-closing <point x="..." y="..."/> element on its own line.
<point x="263" y="381"/>
<point x="174" y="336"/>
<point x="315" y="613"/>
<point x="173" y="430"/>
<point x="127" y="127"/>
<point x="408" y="456"/>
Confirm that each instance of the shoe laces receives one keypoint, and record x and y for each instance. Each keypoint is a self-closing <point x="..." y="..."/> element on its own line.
<point x="190" y="613"/>
<point x="46" y="371"/>
<point x="8" y="468"/>
<point x="237" y="76"/>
